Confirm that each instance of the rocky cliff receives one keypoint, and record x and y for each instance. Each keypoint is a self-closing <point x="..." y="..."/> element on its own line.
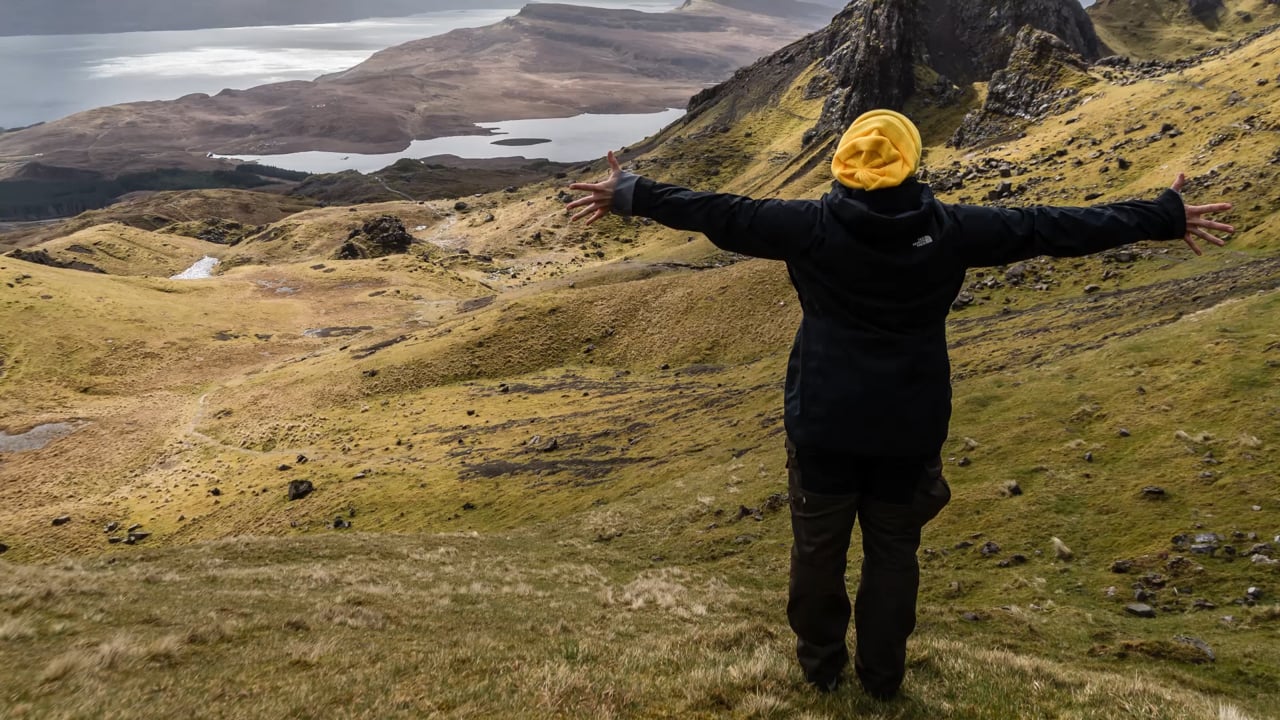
<point x="869" y="54"/>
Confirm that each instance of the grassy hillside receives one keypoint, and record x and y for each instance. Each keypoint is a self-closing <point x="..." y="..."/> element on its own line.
<point x="158" y="210"/>
<point x="1170" y="29"/>
<point x="547" y="459"/>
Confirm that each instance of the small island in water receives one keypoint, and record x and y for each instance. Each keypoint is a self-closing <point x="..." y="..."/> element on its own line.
<point x="520" y="142"/>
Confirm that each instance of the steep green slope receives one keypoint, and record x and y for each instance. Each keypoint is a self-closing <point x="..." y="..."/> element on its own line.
<point x="558" y="448"/>
<point x="1171" y="29"/>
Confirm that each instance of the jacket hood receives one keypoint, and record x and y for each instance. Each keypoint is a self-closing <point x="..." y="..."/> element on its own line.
<point x="901" y="213"/>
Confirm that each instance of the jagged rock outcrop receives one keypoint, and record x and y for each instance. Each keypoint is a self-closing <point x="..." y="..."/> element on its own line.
<point x="968" y="40"/>
<point x="1044" y="77"/>
<point x="868" y="56"/>
<point x="870" y="52"/>
<point x="377" y="238"/>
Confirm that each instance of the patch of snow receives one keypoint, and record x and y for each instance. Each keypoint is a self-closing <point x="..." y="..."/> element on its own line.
<point x="202" y="270"/>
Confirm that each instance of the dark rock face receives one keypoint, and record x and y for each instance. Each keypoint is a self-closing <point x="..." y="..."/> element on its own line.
<point x="299" y="489"/>
<point x="377" y="238"/>
<point x="869" y="54"/>
<point x="968" y="40"/>
<point x="1030" y="88"/>
<point x="1206" y="11"/>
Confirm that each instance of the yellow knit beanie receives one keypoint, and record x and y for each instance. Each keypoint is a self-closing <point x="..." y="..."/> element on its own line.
<point x="880" y="150"/>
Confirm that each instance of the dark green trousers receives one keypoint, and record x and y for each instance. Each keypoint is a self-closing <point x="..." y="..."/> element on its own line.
<point x="891" y="499"/>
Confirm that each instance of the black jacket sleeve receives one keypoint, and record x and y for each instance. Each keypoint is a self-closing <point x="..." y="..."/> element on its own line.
<point x="771" y="229"/>
<point x="998" y="236"/>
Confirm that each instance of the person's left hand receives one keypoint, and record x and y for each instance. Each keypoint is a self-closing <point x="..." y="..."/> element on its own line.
<point x="1198" y="223"/>
<point x="600" y="202"/>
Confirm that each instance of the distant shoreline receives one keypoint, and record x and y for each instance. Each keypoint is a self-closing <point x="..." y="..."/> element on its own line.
<point x="84" y="17"/>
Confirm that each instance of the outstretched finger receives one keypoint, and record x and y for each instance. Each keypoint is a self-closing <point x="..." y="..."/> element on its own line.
<point x="587" y="187"/>
<point x="1205" y="209"/>
<point x="1208" y="237"/>
<point x="1180" y="182"/>
<point x="1211" y="225"/>
<point x="599" y="214"/>
<point x="1191" y="243"/>
<point x="614" y="165"/>
<point x="580" y="202"/>
<point x="585" y="214"/>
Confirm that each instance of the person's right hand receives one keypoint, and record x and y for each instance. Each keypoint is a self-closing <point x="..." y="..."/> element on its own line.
<point x="1198" y="224"/>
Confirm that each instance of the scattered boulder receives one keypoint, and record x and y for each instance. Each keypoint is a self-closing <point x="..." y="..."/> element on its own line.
<point x="1152" y="492"/>
<point x="3" y="548"/>
<point x="216" y="492"/>
<point x="112" y="526"/>
<point x="299" y="489"/>
<point x="1011" y="488"/>
<point x="989" y="548"/>
<point x="1198" y="644"/>
<point x="341" y="523"/>
<point x="61" y="520"/>
<point x="301" y="460"/>
<point x="136" y="537"/>
<point x="283" y="467"/>
<point x="1061" y="550"/>
<point x="1206" y="544"/>
<point x="1141" y="610"/>
<point x="1013" y="561"/>
<point x="1121" y="566"/>
<point x="1264" y="549"/>
<point x="468" y="506"/>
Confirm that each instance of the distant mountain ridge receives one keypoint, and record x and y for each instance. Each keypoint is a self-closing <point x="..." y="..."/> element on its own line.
<point x="68" y="17"/>
<point x="547" y="61"/>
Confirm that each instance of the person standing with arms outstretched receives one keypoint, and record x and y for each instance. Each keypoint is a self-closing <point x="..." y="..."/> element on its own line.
<point x="877" y="263"/>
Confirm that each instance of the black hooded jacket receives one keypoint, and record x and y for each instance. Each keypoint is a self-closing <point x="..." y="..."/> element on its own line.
<point x="877" y="273"/>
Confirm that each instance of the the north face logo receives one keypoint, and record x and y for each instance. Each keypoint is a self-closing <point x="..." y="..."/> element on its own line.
<point x="926" y="240"/>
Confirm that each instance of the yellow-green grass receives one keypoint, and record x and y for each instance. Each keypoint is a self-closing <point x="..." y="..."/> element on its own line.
<point x="122" y="250"/>
<point x="536" y="626"/>
<point x="1167" y="30"/>
<point x="614" y="574"/>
